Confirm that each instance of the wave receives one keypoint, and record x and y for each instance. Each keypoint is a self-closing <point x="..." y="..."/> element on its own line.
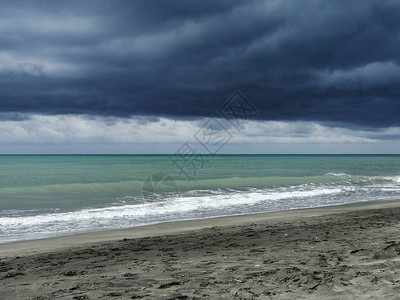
<point x="354" y="179"/>
<point x="200" y="199"/>
<point x="167" y="209"/>
<point x="136" y="187"/>
<point x="173" y="205"/>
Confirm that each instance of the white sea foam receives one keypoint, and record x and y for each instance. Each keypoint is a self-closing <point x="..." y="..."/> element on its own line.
<point x="171" y="205"/>
<point x="135" y="211"/>
<point x="172" y="208"/>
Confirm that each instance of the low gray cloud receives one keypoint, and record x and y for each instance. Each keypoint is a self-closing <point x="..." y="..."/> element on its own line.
<point x="78" y="129"/>
<point x="325" y="61"/>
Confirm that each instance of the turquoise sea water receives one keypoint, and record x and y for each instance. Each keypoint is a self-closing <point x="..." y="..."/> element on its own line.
<point x="51" y="195"/>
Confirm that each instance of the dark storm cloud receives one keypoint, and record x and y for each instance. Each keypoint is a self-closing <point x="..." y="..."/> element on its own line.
<point x="331" y="61"/>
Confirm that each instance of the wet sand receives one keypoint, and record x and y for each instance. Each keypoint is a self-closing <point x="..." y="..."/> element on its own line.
<point x="341" y="252"/>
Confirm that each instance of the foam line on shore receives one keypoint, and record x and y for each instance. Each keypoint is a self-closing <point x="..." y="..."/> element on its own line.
<point x="179" y="227"/>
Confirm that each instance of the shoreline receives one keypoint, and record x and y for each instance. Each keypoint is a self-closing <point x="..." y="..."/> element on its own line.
<point x="339" y="252"/>
<point x="179" y="227"/>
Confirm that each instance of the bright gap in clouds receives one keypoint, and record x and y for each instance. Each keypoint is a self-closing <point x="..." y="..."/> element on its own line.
<point x="83" y="134"/>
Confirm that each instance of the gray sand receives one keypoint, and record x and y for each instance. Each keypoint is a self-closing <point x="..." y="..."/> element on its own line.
<point x="345" y="252"/>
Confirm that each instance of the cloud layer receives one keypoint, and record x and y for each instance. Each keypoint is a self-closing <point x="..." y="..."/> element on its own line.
<point x="315" y="61"/>
<point x="77" y="129"/>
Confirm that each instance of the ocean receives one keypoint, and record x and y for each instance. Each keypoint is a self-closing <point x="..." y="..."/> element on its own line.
<point x="53" y="195"/>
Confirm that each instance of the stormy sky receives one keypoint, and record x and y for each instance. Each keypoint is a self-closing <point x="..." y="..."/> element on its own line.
<point x="117" y="72"/>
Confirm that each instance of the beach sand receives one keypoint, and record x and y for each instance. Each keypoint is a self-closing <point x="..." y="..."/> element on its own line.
<point x="341" y="252"/>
